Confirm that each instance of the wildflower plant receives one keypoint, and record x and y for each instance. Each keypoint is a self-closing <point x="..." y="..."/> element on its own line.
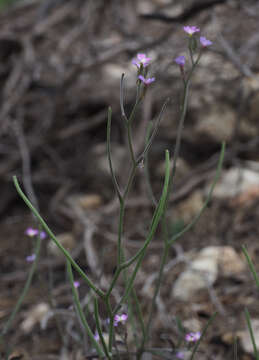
<point x="129" y="267"/>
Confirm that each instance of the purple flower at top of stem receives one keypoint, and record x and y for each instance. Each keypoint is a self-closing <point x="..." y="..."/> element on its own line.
<point x="191" y="29"/>
<point x="120" y="319"/>
<point x="30" y="258"/>
<point x="141" y="60"/>
<point x="180" y="60"/>
<point x="205" y="42"/>
<point x="146" y="81"/>
<point x="31" y="232"/>
<point x="96" y="336"/>
<point x="76" y="284"/>
<point x="193" y="336"/>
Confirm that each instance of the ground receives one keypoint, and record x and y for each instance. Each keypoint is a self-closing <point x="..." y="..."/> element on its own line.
<point x="60" y="67"/>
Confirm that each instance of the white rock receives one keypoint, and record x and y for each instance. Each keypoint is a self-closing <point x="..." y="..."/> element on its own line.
<point x="230" y="262"/>
<point x="234" y="182"/>
<point x="203" y="270"/>
<point x="34" y="316"/>
<point x="246" y="339"/>
<point x="87" y="201"/>
<point x="201" y="273"/>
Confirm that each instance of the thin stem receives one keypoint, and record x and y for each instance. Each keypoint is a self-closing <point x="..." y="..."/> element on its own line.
<point x="180" y="129"/>
<point x="123" y="114"/>
<point x="151" y="138"/>
<point x="195" y="349"/>
<point x="24" y="291"/>
<point x="146" y="169"/>
<point x="54" y="239"/>
<point x="129" y="135"/>
<point x="80" y="311"/>
<point x="157" y="289"/>
<point x="251" y="266"/>
<point x="155" y="221"/>
<point x="139" y="312"/>
<point x="120" y="230"/>
<point x="99" y="329"/>
<point x="114" y="180"/>
<point x="111" y="321"/>
<point x="251" y="332"/>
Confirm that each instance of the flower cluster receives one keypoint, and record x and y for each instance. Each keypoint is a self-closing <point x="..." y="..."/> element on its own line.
<point x="120" y="319"/>
<point x="146" y="81"/>
<point x="30" y="258"/>
<point x="191" y="30"/>
<point x="192" y="337"/>
<point x="142" y="61"/>
<point x="34" y="232"/>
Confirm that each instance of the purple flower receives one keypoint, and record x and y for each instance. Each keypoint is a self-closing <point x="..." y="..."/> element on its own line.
<point x="180" y="60"/>
<point x="141" y="60"/>
<point x="76" y="284"/>
<point x="96" y="336"/>
<point x="146" y="81"/>
<point x="205" y="42"/>
<point x="30" y="258"/>
<point x="179" y="355"/>
<point x="31" y="232"/>
<point x="120" y="319"/>
<point x="43" y="235"/>
<point x="193" y="336"/>
<point x="191" y="29"/>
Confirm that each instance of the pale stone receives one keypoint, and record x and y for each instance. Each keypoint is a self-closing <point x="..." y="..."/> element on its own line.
<point x="230" y="262"/>
<point x="246" y="338"/>
<point x="190" y="207"/>
<point x="234" y="182"/>
<point x="203" y="270"/>
<point x="201" y="273"/>
<point x="88" y="201"/>
<point x="34" y="316"/>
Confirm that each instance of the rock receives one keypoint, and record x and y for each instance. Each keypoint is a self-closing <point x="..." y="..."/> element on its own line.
<point x="34" y="316"/>
<point x="235" y="181"/>
<point x="230" y="263"/>
<point x="203" y="270"/>
<point x="245" y="337"/>
<point x="87" y="201"/>
<point x="67" y="240"/>
<point x="190" y="207"/>
<point x="201" y="273"/>
<point x="218" y="124"/>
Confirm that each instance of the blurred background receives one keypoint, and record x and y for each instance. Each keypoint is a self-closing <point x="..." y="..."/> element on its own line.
<point x="60" y="67"/>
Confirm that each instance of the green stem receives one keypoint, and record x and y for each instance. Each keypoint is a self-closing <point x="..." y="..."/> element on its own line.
<point x="251" y="332"/>
<point x="99" y="328"/>
<point x="155" y="221"/>
<point x="24" y="292"/>
<point x="153" y="304"/>
<point x="251" y="266"/>
<point x="54" y="239"/>
<point x="80" y="311"/>
<point x="195" y="349"/>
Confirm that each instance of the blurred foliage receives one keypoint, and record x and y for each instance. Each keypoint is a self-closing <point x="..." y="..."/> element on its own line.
<point x="176" y="227"/>
<point x="5" y="3"/>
